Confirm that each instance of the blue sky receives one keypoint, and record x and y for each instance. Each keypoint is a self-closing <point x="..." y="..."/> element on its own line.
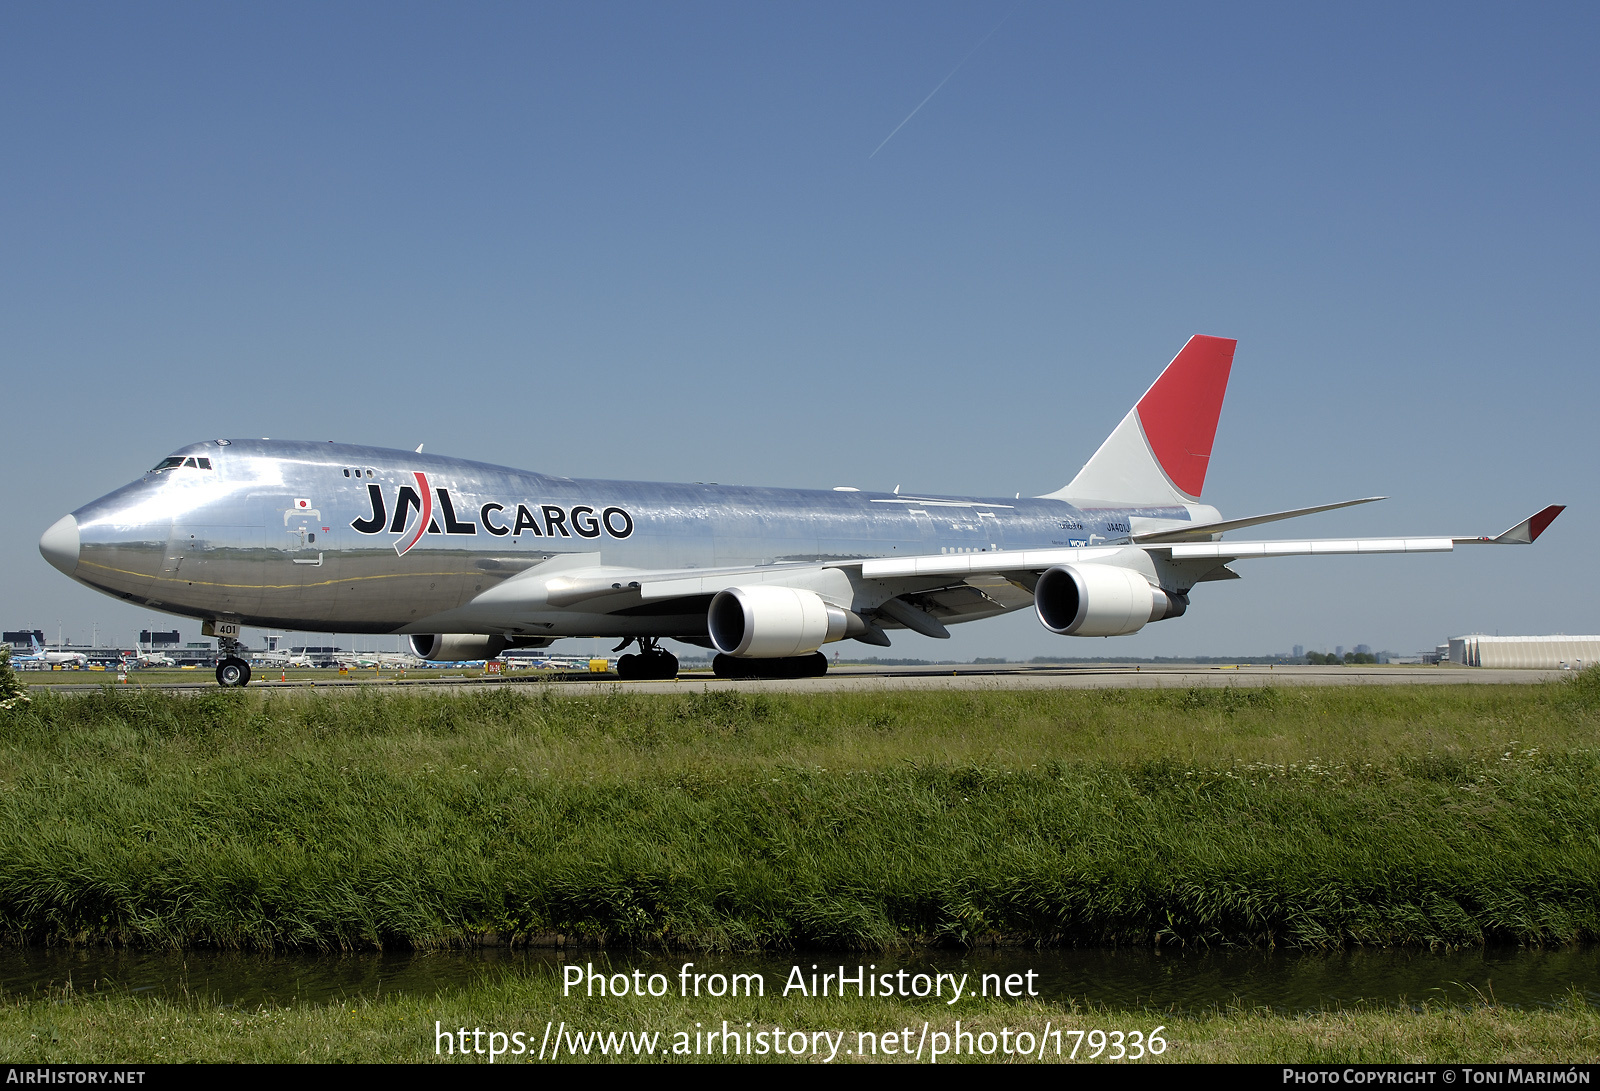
<point x="652" y="241"/>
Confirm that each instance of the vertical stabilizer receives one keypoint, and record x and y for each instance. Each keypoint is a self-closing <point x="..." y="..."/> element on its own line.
<point x="1159" y="454"/>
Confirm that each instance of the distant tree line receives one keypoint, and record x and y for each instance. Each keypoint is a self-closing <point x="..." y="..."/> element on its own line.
<point x="1329" y="659"/>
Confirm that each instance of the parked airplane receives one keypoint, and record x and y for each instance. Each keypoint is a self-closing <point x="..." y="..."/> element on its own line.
<point x="394" y="661"/>
<point x="470" y="559"/>
<point x="41" y="654"/>
<point x="283" y="659"/>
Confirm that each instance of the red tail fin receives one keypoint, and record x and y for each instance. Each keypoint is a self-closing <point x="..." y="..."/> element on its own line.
<point x="1179" y="413"/>
<point x="1159" y="454"/>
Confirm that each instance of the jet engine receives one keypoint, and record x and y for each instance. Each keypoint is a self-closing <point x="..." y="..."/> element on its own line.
<point x="456" y="647"/>
<point x="773" y="622"/>
<point x="1101" y="600"/>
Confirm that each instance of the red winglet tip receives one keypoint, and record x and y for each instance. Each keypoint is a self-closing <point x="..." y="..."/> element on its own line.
<point x="1537" y="524"/>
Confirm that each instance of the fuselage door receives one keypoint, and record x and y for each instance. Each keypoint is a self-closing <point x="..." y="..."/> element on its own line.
<point x="306" y="538"/>
<point x="307" y="557"/>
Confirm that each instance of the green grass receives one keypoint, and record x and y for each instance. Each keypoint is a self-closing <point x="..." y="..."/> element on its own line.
<point x="111" y="1029"/>
<point x="1318" y="817"/>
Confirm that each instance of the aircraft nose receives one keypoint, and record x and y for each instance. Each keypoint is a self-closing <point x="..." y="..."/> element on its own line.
<point x="59" y="544"/>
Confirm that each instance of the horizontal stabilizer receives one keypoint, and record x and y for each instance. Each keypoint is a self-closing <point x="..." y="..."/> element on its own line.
<point x="1203" y="530"/>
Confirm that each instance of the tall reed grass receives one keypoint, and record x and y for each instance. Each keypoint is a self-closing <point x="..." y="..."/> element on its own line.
<point x="1428" y="815"/>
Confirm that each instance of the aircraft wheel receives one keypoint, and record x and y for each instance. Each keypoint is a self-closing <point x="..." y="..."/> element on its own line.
<point x="233" y="672"/>
<point x="628" y="668"/>
<point x="662" y="666"/>
<point x="814" y="665"/>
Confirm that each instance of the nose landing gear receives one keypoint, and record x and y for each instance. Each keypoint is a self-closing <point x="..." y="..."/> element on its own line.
<point x="233" y="672"/>
<point x="231" y="669"/>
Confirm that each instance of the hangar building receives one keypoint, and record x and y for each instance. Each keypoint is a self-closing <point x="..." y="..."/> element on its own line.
<point x="1538" y="652"/>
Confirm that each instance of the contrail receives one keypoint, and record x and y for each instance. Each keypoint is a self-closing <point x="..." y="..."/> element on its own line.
<point x="946" y="80"/>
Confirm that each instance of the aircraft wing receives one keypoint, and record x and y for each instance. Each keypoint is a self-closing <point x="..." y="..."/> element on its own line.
<point x="580" y="580"/>
<point x="620" y="585"/>
<point x="1024" y="560"/>
<point x="910" y="592"/>
<point x="574" y="587"/>
<point x="1524" y="533"/>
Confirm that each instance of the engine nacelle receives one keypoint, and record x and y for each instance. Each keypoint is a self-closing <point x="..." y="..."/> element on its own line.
<point x="773" y="622"/>
<point x="458" y="647"/>
<point x="1101" y="600"/>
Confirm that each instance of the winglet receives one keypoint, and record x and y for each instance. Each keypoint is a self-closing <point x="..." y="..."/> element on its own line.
<point x="1524" y="533"/>
<point x="1529" y="529"/>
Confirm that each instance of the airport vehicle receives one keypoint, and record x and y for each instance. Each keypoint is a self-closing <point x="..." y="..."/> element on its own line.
<point x="470" y="559"/>
<point x="48" y="658"/>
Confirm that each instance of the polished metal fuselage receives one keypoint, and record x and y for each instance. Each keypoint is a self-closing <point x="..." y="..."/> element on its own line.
<point x="309" y="536"/>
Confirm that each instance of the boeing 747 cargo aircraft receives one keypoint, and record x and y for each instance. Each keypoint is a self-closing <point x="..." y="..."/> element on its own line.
<point x="470" y="559"/>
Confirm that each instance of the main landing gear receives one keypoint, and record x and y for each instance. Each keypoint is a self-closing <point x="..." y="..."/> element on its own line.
<point x="814" y="665"/>
<point x="231" y="670"/>
<point x="652" y="664"/>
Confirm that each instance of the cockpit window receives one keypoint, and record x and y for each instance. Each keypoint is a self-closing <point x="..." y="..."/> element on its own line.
<point x="173" y="462"/>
